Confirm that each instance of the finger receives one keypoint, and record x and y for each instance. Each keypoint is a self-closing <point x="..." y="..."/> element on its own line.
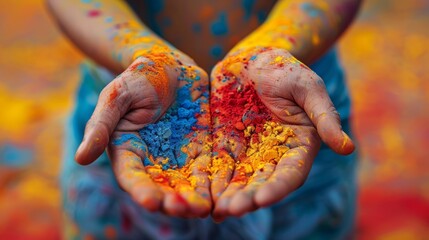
<point x="313" y="97"/>
<point x="175" y="203"/>
<point x="180" y="197"/>
<point x="289" y="174"/>
<point x="197" y="80"/>
<point x="226" y="75"/>
<point x="192" y="198"/>
<point x="199" y="178"/>
<point x="131" y="175"/>
<point x="243" y="201"/>
<point x="239" y="180"/>
<point x="196" y="187"/>
<point x="195" y="190"/>
<point x="221" y="169"/>
<point x="111" y="105"/>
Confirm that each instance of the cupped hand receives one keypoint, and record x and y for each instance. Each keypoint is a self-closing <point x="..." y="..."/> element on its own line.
<point x="269" y="114"/>
<point x="154" y="120"/>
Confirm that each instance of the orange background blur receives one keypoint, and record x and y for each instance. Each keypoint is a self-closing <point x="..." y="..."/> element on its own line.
<point x="386" y="54"/>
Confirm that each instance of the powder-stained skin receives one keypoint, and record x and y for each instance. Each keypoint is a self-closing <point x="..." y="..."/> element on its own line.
<point x="261" y="132"/>
<point x="172" y="148"/>
<point x="266" y="132"/>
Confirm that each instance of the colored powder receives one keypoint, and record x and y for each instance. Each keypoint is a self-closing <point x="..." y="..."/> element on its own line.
<point x="140" y="66"/>
<point x="238" y="108"/>
<point x="311" y="9"/>
<point x="94" y="13"/>
<point x="113" y="95"/>
<point x="134" y="141"/>
<point x="242" y="116"/>
<point x="154" y="70"/>
<point x="108" y="19"/>
<point x="166" y="137"/>
<point x="269" y="145"/>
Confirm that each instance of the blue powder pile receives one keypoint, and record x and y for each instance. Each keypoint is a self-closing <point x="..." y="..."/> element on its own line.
<point x="166" y="137"/>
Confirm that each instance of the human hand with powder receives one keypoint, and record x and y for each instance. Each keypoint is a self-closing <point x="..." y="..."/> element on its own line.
<point x="269" y="113"/>
<point x="155" y="116"/>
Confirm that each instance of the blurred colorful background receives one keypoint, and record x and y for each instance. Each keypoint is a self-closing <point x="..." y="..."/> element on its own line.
<point x="386" y="54"/>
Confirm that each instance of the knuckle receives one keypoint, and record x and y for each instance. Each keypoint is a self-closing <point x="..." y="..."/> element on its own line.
<point x="104" y="91"/>
<point x="216" y="69"/>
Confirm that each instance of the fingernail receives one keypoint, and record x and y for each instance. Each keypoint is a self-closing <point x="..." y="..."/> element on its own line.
<point x="345" y="139"/>
<point x="79" y="153"/>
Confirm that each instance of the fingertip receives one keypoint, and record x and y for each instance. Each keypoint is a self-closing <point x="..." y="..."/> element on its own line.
<point x="198" y="206"/>
<point x="91" y="148"/>
<point x="262" y="197"/>
<point x="339" y="142"/>
<point x="240" y="204"/>
<point x="202" y="211"/>
<point x="175" y="205"/>
<point x="151" y="202"/>
<point x="78" y="154"/>
<point x="331" y="134"/>
<point x="220" y="209"/>
<point x="347" y="145"/>
<point x="81" y="154"/>
<point x="85" y="155"/>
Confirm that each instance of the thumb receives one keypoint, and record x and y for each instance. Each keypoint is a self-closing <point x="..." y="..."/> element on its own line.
<point x="314" y="99"/>
<point x="111" y="106"/>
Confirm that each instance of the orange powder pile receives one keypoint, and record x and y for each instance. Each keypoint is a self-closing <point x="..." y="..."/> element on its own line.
<point x="154" y="70"/>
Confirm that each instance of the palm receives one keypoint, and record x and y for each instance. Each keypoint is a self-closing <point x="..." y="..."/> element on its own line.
<point x="161" y="163"/>
<point x="167" y="160"/>
<point x="262" y="134"/>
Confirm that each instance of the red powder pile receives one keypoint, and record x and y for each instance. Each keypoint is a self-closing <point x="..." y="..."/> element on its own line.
<point x="238" y="108"/>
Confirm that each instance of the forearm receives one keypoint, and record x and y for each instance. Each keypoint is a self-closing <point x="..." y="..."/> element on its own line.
<point x="306" y="28"/>
<point x="107" y="31"/>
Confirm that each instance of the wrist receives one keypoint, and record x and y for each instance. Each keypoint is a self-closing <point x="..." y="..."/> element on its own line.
<point x="244" y="62"/>
<point x="154" y="71"/>
<point x="132" y="40"/>
<point x="273" y="33"/>
<point x="160" y="66"/>
<point x="165" y="55"/>
<point x="249" y="55"/>
<point x="132" y="52"/>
